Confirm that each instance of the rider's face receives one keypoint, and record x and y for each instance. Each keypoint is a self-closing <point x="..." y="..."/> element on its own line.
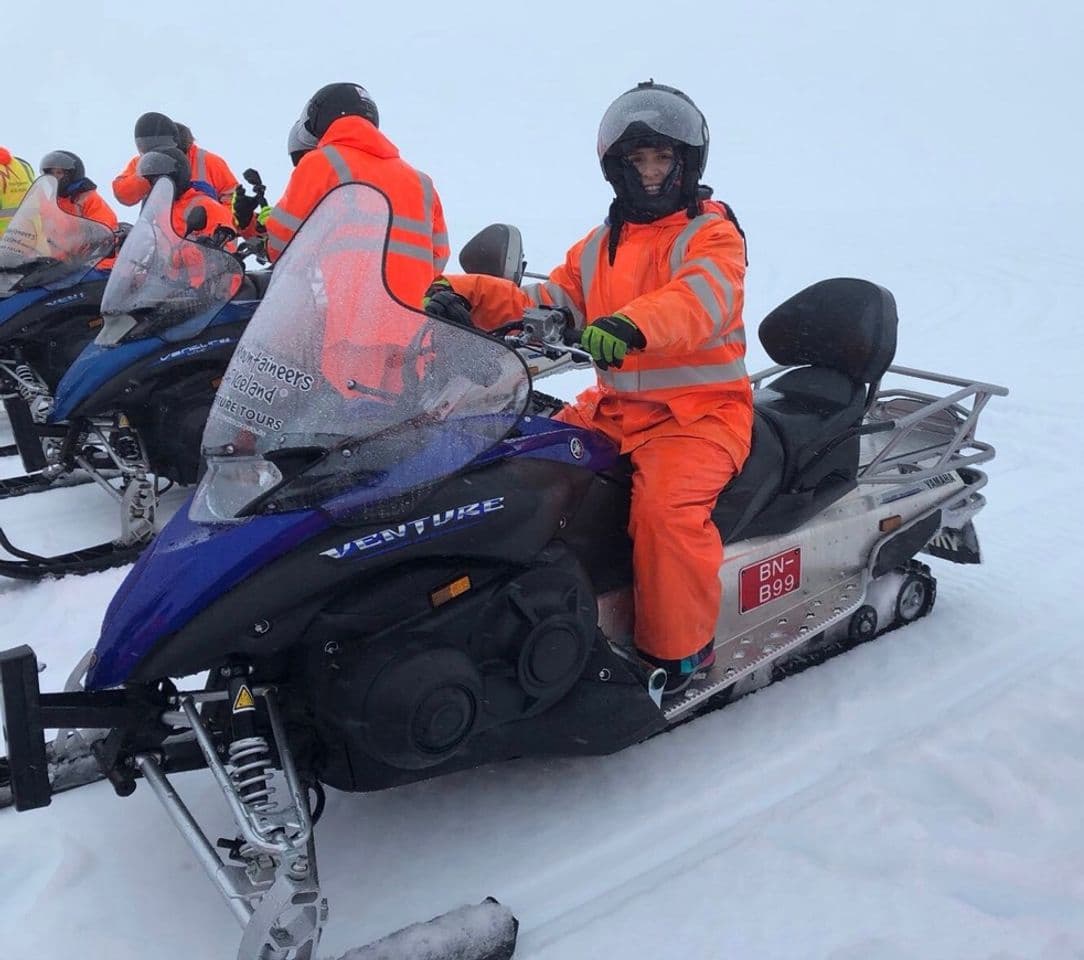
<point x="653" y="164"/>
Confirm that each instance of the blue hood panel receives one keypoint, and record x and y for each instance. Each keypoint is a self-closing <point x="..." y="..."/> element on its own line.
<point x="187" y="567"/>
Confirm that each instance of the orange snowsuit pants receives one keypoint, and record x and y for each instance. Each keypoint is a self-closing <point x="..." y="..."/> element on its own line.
<point x="676" y="548"/>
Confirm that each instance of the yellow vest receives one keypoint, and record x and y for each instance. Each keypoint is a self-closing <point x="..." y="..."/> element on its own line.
<point x="15" y="180"/>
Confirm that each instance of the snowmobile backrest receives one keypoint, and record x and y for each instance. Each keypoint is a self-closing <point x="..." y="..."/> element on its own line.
<point x="843" y="324"/>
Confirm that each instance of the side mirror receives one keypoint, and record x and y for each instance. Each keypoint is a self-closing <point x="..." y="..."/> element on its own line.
<point x="497" y="251"/>
<point x="195" y="220"/>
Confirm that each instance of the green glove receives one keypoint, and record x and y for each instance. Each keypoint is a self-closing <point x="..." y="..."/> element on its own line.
<point x="608" y="340"/>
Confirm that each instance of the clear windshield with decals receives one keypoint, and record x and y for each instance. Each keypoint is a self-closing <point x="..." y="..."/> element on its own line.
<point x="163" y="284"/>
<point x="337" y="390"/>
<point x="44" y="246"/>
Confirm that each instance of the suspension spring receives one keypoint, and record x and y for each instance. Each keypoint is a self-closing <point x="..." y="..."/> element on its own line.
<point x="250" y="762"/>
<point x="27" y="382"/>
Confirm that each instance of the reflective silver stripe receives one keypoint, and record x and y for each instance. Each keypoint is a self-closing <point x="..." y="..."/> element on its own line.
<point x="288" y="220"/>
<point x="200" y="173"/>
<point x="411" y="225"/>
<point x="416" y="251"/>
<point x="634" y="381"/>
<point x="534" y="293"/>
<point x="440" y="239"/>
<point x="427" y="204"/>
<point x="7" y="211"/>
<point x="712" y="268"/>
<point x="590" y="257"/>
<point x="677" y="254"/>
<point x="439" y="262"/>
<point x="560" y="298"/>
<point x="338" y="164"/>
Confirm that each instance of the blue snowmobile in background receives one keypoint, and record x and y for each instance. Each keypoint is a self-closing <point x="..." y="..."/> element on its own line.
<point x="398" y="565"/>
<point x="129" y="409"/>
<point x="50" y="297"/>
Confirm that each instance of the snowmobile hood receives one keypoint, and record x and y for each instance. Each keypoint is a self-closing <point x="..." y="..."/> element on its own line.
<point x="98" y="364"/>
<point x="186" y="568"/>
<point x="62" y="292"/>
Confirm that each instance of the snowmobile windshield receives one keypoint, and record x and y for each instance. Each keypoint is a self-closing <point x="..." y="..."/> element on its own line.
<point x="341" y="396"/>
<point x="163" y="285"/>
<point x="44" y="246"/>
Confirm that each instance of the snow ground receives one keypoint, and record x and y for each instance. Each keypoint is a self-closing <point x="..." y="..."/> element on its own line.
<point x="919" y="796"/>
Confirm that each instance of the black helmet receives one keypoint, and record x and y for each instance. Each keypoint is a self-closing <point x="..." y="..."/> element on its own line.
<point x="167" y="162"/>
<point x="184" y="136"/>
<point x="338" y="100"/>
<point x="68" y="162"/>
<point x="154" y="131"/>
<point x="299" y="142"/>
<point x="652" y="114"/>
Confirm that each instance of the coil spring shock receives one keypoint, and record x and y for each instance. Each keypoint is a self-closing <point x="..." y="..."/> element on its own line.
<point x="27" y="382"/>
<point x="249" y="761"/>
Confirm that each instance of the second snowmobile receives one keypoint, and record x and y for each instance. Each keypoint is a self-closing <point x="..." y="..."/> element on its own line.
<point x="129" y="410"/>
<point x="398" y="565"/>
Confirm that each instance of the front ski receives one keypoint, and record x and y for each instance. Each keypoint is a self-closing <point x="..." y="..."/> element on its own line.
<point x="40" y="482"/>
<point x="101" y="556"/>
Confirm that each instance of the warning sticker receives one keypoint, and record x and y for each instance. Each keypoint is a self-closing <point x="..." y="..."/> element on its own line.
<point x="244" y="701"/>
<point x="770" y="579"/>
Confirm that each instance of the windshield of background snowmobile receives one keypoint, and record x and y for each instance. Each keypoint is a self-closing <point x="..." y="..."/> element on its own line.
<point x="44" y="245"/>
<point x="331" y="360"/>
<point x="177" y="285"/>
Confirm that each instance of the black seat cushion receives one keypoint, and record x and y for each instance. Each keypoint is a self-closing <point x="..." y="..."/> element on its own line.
<point x="808" y="407"/>
<point x="754" y="487"/>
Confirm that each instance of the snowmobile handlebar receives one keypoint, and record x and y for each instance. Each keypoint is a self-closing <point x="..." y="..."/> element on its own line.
<point x="548" y="331"/>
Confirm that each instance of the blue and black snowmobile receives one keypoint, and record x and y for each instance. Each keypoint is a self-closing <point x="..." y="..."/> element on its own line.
<point x="397" y="565"/>
<point x="129" y="409"/>
<point x="50" y="308"/>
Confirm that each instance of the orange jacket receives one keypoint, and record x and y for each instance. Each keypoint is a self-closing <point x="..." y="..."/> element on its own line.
<point x="129" y="188"/>
<point x="190" y="259"/>
<point x="353" y="150"/>
<point x="681" y="282"/>
<point x="90" y="206"/>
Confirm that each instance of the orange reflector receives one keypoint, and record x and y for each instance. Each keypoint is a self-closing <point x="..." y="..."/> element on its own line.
<point x="888" y="524"/>
<point x="450" y="591"/>
<point x="94" y="323"/>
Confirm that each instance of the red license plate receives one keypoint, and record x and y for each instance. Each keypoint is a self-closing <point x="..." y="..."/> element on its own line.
<point x="770" y="579"/>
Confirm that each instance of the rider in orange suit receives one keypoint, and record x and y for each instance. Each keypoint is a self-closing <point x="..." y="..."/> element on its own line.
<point x="350" y="148"/>
<point x="153" y="131"/>
<point x="663" y="281"/>
<point x="77" y="195"/>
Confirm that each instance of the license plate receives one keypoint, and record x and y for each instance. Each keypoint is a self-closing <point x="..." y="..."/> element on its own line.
<point x="769" y="579"/>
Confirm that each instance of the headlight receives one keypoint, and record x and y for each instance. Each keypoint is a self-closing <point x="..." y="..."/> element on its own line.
<point x="231" y="484"/>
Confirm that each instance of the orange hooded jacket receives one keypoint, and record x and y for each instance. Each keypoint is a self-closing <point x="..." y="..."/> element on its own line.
<point x="90" y="206"/>
<point x="681" y="282"/>
<point x="130" y="188"/>
<point x="354" y="151"/>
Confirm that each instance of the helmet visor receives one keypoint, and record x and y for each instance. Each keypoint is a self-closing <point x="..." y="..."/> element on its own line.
<point x="647" y="111"/>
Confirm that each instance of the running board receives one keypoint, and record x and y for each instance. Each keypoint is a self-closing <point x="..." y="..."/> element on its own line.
<point x="101" y="556"/>
<point x="768" y="642"/>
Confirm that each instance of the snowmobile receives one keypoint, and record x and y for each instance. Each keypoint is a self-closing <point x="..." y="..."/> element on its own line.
<point x="129" y="409"/>
<point x="50" y="296"/>
<point x="398" y="565"/>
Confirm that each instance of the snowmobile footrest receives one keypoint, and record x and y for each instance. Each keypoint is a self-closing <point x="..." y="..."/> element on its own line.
<point x="20" y="706"/>
<point x="31" y="566"/>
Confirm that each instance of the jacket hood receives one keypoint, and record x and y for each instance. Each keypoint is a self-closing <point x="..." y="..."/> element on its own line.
<point x="359" y="133"/>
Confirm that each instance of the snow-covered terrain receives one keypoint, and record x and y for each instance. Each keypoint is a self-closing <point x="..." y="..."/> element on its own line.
<point x="920" y="796"/>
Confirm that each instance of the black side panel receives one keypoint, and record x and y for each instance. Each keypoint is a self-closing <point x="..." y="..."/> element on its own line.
<point x="898" y="549"/>
<point x="26" y="435"/>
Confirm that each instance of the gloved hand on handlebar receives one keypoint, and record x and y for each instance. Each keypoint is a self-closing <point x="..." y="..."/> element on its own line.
<point x="442" y="302"/>
<point x="609" y="339"/>
<point x="244" y="206"/>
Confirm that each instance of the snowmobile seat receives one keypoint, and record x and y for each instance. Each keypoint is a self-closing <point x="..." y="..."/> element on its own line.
<point x="253" y="285"/>
<point x="840" y="335"/>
